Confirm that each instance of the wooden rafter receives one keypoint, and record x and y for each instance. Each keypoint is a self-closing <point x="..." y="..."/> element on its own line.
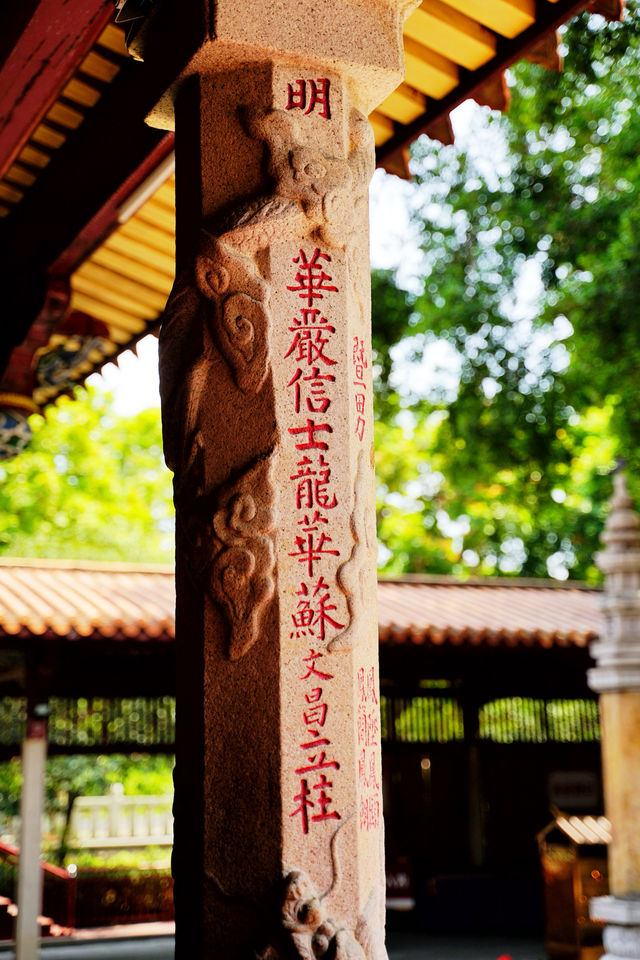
<point x="54" y="38"/>
<point x="549" y="16"/>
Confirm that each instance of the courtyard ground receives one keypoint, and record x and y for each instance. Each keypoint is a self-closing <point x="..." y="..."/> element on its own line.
<point x="150" y="944"/>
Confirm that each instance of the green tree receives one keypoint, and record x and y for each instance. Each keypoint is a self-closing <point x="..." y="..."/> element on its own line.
<point x="69" y="777"/>
<point x="514" y="455"/>
<point x="92" y="484"/>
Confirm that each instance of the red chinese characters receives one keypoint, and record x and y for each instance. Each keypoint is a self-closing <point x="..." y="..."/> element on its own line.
<point x="306" y="95"/>
<point x="368" y="726"/>
<point x="311" y="378"/>
<point x="311" y="428"/>
<point x="359" y="365"/>
<point x="311" y="279"/>
<point x="311" y="334"/>
<point x="314" y="612"/>
<point x="310" y="384"/>
<point x="313" y="801"/>
<point x="312" y="484"/>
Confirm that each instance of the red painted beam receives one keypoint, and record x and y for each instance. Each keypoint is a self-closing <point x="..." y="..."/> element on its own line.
<point x="56" y="38"/>
<point x="105" y="220"/>
<point x="68" y="211"/>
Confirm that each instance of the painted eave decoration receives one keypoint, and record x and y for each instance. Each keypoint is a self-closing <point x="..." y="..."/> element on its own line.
<point x="87" y="205"/>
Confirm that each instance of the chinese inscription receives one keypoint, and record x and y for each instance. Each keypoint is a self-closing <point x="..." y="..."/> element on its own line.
<point x="312" y="360"/>
<point x="306" y="95"/>
<point x="310" y="385"/>
<point x="359" y="364"/>
<point x="368" y="724"/>
<point x="313" y="800"/>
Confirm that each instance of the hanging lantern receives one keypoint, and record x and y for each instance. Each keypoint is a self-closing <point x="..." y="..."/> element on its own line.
<point x="15" y="432"/>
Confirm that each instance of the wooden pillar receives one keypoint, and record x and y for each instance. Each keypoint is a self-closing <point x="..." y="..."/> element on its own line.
<point x="34" y="755"/>
<point x="268" y="426"/>
<point x="616" y="678"/>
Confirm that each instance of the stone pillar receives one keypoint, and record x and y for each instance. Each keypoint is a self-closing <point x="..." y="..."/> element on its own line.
<point x="616" y="678"/>
<point x="267" y="413"/>
<point x="34" y="754"/>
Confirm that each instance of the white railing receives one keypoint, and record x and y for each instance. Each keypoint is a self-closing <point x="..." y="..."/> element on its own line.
<point x="116" y="820"/>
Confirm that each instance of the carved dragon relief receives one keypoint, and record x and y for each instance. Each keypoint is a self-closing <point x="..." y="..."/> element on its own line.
<point x="331" y="192"/>
<point x="306" y="932"/>
<point x="353" y="574"/>
<point x="315" y="196"/>
<point x="230" y="531"/>
<point x="294" y="923"/>
<point x="240" y="325"/>
<point x="227" y="530"/>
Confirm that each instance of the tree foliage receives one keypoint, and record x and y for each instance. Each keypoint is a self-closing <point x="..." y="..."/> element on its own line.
<point x="91" y="484"/>
<point x="502" y="465"/>
<point x="69" y="777"/>
<point x="500" y="410"/>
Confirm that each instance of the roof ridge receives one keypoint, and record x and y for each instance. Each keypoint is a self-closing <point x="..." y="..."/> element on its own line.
<point x="122" y="566"/>
<point x="108" y="566"/>
<point x="522" y="582"/>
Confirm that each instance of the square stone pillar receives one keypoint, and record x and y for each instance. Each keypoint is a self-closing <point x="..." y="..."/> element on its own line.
<point x="616" y="677"/>
<point x="268" y="423"/>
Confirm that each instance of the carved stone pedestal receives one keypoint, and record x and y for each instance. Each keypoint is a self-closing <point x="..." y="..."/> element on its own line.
<point x="621" y="936"/>
<point x="267" y="412"/>
<point x="616" y="677"/>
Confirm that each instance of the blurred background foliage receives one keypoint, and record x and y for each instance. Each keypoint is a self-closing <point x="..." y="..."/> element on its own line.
<point x="92" y="484"/>
<point x="505" y="369"/>
<point x="80" y="775"/>
<point x="507" y="373"/>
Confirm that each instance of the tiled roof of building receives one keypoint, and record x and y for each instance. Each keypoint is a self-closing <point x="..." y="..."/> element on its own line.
<point x="81" y="599"/>
<point x="493" y="612"/>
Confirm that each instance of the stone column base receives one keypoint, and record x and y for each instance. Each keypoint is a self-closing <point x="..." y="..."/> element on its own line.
<point x="621" y="936"/>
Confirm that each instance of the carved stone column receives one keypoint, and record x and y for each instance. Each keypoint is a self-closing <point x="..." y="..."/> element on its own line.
<point x="616" y="678"/>
<point x="267" y="410"/>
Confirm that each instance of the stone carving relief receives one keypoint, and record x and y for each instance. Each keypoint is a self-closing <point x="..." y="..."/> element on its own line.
<point x="227" y="531"/>
<point x="352" y="575"/>
<point x="306" y="932"/>
<point x="331" y="192"/>
<point x="244" y="555"/>
<point x="314" y="195"/>
<point x="222" y="304"/>
<point x="240" y="320"/>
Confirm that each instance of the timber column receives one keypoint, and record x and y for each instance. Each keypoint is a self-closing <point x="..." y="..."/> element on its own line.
<point x="267" y="412"/>
<point x="616" y="678"/>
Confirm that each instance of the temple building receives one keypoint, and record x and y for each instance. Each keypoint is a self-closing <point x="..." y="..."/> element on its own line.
<point x="477" y="678"/>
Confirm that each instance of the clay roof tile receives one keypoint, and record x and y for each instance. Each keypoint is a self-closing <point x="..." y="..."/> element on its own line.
<point x="80" y="599"/>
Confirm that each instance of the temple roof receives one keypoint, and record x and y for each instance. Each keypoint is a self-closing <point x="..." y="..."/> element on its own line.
<point x="501" y="612"/>
<point x="77" y="600"/>
<point x="86" y="189"/>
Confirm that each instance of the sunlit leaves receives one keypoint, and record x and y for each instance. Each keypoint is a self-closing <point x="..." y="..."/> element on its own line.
<point x="91" y="485"/>
<point x="531" y="294"/>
